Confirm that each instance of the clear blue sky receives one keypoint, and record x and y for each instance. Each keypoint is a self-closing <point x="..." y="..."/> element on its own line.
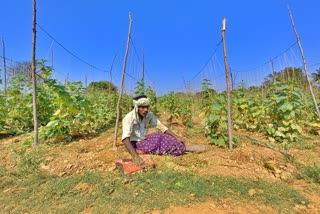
<point x="178" y="36"/>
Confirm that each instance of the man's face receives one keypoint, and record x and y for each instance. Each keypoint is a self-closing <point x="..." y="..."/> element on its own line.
<point x="143" y="110"/>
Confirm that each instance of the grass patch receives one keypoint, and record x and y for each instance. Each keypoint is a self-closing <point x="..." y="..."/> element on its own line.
<point x="311" y="173"/>
<point x="25" y="189"/>
<point x="115" y="192"/>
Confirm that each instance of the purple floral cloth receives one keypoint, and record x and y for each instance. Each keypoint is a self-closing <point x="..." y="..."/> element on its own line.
<point x="161" y="144"/>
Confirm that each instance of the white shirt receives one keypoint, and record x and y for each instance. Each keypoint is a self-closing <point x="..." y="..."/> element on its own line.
<point x="137" y="130"/>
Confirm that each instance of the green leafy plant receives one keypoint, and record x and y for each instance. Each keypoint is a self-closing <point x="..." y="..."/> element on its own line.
<point x="185" y="112"/>
<point x="284" y="112"/>
<point x="248" y="112"/>
<point x="216" y="121"/>
<point x="169" y="102"/>
<point x="140" y="88"/>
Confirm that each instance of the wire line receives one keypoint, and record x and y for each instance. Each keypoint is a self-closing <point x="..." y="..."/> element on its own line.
<point x="208" y="60"/>
<point x="72" y="54"/>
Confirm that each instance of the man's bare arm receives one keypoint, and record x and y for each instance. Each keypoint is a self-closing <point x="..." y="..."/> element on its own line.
<point x="129" y="147"/>
<point x="136" y="158"/>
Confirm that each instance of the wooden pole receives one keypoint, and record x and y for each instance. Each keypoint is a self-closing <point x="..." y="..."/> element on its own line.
<point x="223" y="29"/>
<point x="111" y="67"/>
<point x="121" y="84"/>
<point x="85" y="80"/>
<point x="273" y="71"/>
<point x="304" y="63"/>
<point x="143" y="65"/>
<point x="232" y="79"/>
<point x="66" y="79"/>
<point x="34" y="77"/>
<point x="52" y="58"/>
<point x="4" y="68"/>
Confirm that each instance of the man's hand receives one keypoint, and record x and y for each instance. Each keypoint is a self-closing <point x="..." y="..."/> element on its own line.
<point x="177" y="137"/>
<point x="139" y="161"/>
<point x="181" y="139"/>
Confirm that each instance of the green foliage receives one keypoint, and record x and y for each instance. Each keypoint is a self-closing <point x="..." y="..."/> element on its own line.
<point x="284" y="108"/>
<point x="248" y="112"/>
<point x="311" y="173"/>
<point x="280" y="114"/>
<point x="216" y="121"/>
<point x="126" y="104"/>
<point x="170" y="103"/>
<point x="179" y="105"/>
<point x="205" y="85"/>
<point x="152" y="95"/>
<point x="186" y="111"/>
<point x="19" y="106"/>
<point x="207" y="95"/>
<point x="288" y="74"/>
<point x="69" y="116"/>
<point x="140" y="88"/>
<point x="2" y="113"/>
<point x="102" y="86"/>
<point x="316" y="76"/>
<point x="64" y="111"/>
<point x="76" y="113"/>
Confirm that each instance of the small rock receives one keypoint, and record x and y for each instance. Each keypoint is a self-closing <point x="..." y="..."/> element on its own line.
<point x="300" y="207"/>
<point x="271" y="139"/>
<point x="16" y="140"/>
<point x="87" y="211"/>
<point x="61" y="174"/>
<point x="285" y="175"/>
<point x="45" y="167"/>
<point x="277" y="171"/>
<point x="49" y="158"/>
<point x="212" y="206"/>
<point x="82" y="186"/>
<point x="251" y="192"/>
<point x="310" y="206"/>
<point x="290" y="168"/>
<point x="69" y="166"/>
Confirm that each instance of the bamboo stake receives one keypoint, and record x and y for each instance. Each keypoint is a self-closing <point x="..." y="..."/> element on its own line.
<point x="304" y="63"/>
<point x="52" y="58"/>
<point x="223" y="29"/>
<point x="4" y="69"/>
<point x="111" y="67"/>
<point x="85" y="80"/>
<point x="34" y="78"/>
<point x="121" y="84"/>
<point x="143" y="66"/>
<point x="273" y="71"/>
<point x="232" y="79"/>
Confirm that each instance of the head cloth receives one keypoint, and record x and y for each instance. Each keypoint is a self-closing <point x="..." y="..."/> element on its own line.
<point x="143" y="101"/>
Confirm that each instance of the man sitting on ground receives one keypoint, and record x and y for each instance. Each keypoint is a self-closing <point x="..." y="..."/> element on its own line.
<point x="135" y="127"/>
